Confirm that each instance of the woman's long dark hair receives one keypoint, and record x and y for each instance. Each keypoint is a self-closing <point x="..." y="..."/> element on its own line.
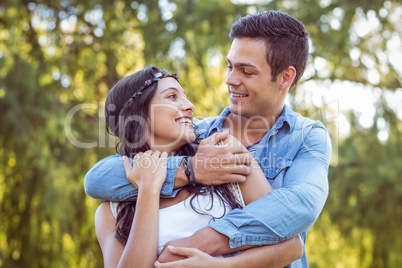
<point x="128" y="122"/>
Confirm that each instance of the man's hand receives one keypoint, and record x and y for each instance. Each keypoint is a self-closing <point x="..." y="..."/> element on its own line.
<point x="218" y="161"/>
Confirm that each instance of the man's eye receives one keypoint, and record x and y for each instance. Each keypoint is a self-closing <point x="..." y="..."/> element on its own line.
<point x="246" y="73"/>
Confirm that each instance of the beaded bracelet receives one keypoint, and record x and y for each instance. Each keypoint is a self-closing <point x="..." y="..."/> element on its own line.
<point x="188" y="170"/>
<point x="190" y="163"/>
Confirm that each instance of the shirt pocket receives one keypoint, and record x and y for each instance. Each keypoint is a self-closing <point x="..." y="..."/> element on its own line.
<point x="278" y="165"/>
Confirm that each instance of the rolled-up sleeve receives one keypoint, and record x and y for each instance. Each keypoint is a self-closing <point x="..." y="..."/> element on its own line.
<point x="291" y="209"/>
<point x="107" y="179"/>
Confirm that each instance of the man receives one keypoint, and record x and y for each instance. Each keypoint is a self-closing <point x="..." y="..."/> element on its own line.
<point x="267" y="58"/>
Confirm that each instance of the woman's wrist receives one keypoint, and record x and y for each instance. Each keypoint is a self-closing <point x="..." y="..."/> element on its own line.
<point x="149" y="190"/>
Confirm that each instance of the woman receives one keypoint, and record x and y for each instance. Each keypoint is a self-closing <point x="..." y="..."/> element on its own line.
<point x="150" y="114"/>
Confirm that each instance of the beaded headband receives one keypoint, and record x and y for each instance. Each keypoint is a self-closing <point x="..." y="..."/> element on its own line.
<point x="149" y="82"/>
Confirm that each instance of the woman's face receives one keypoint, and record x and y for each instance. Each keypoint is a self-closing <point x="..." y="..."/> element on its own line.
<point x="170" y="117"/>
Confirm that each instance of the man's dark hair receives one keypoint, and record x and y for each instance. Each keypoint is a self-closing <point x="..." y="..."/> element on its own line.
<point x="285" y="37"/>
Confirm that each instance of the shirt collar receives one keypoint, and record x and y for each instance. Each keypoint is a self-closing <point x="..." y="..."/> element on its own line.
<point x="287" y="118"/>
<point x="217" y="124"/>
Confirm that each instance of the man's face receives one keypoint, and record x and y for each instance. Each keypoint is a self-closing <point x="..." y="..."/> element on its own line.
<point x="251" y="90"/>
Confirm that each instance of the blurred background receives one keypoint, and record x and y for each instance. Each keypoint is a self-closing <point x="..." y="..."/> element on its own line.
<point x="58" y="60"/>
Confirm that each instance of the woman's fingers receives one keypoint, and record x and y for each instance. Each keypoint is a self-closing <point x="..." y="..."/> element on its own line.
<point x="164" y="156"/>
<point x="148" y="153"/>
<point x="156" y="154"/>
<point x="185" y="252"/>
<point x="193" y="258"/>
<point x="127" y="165"/>
<point x="136" y="159"/>
<point x="165" y="265"/>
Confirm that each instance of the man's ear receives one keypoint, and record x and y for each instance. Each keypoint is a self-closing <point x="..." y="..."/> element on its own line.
<point x="287" y="77"/>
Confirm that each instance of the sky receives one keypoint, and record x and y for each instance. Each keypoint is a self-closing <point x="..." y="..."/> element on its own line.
<point x="341" y="97"/>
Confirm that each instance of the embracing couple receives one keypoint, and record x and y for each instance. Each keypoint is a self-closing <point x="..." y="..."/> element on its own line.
<point x="236" y="190"/>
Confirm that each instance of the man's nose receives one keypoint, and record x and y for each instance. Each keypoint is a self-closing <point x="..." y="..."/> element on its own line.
<point x="232" y="78"/>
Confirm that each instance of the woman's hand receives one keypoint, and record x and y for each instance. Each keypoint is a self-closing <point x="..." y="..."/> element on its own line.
<point x="149" y="169"/>
<point x="194" y="258"/>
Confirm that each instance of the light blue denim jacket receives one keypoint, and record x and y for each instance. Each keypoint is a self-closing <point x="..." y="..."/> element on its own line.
<point x="294" y="156"/>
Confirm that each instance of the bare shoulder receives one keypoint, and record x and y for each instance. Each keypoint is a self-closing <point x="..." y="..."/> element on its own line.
<point x="104" y="219"/>
<point x="103" y="211"/>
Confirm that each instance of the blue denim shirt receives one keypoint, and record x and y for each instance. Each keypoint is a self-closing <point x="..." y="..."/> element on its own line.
<point x="294" y="156"/>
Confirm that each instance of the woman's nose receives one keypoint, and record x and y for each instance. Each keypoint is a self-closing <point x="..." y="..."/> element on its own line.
<point x="187" y="105"/>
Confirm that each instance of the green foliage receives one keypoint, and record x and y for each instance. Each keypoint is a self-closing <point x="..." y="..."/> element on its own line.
<point x="365" y="201"/>
<point x="55" y="55"/>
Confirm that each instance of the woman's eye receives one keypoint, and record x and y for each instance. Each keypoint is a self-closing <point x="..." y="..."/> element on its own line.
<point x="171" y="96"/>
<point x="229" y="67"/>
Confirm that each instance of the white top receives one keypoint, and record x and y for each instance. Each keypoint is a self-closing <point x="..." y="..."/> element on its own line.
<point x="180" y="220"/>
